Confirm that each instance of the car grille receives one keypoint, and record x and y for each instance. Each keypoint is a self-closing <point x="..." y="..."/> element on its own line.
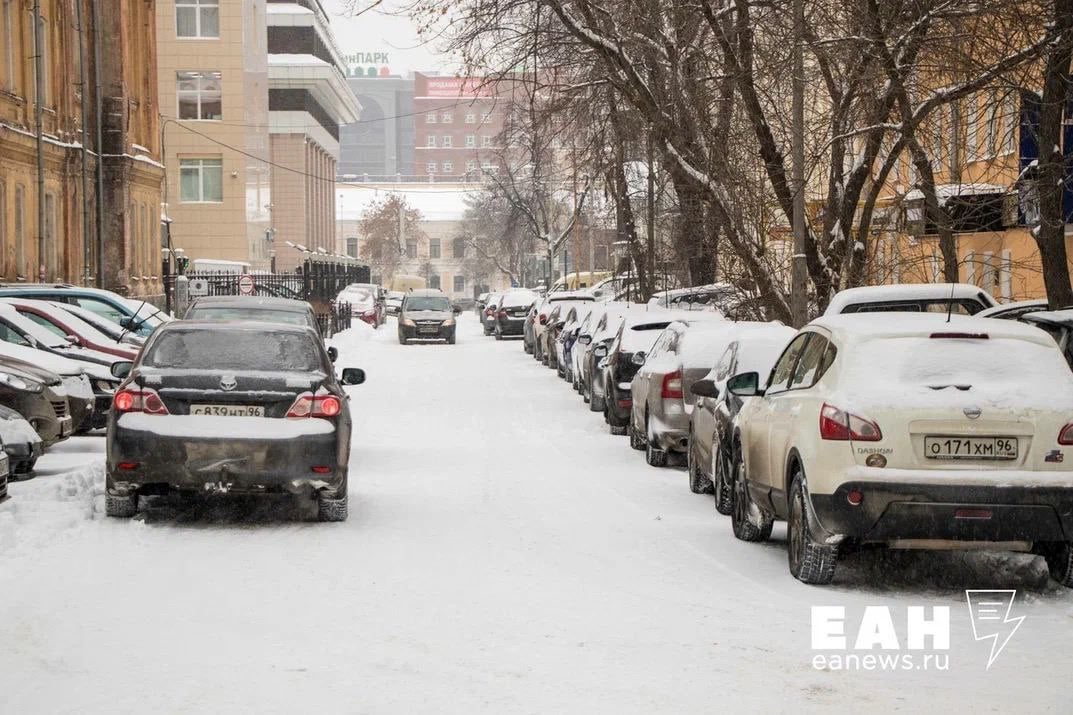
<point x="60" y="406"/>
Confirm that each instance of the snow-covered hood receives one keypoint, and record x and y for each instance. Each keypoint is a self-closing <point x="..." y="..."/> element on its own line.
<point x="53" y="363"/>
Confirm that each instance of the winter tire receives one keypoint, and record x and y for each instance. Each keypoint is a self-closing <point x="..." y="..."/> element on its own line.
<point x="331" y="509"/>
<point x="810" y="561"/>
<point x="721" y="488"/>
<point x="596" y="404"/>
<point x="527" y="348"/>
<point x="748" y="522"/>
<point x="698" y="483"/>
<point x="451" y="340"/>
<point x="499" y="335"/>
<point x="121" y="507"/>
<point x="617" y="430"/>
<point x="654" y="456"/>
<point x="635" y="439"/>
<point x="1059" y="557"/>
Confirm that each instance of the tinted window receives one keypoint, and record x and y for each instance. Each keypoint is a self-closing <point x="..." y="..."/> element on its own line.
<point x="226" y="313"/>
<point x="269" y="351"/>
<point x="101" y="308"/>
<point x="808" y="367"/>
<point x="958" y="307"/>
<point x="780" y="375"/>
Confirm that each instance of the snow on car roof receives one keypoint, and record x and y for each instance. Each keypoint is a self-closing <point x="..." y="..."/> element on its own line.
<point x="906" y="291"/>
<point x="865" y="326"/>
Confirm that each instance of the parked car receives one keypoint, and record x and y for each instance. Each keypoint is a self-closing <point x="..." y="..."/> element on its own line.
<point x="5" y="473"/>
<point x="595" y="341"/>
<point x="550" y="321"/>
<point x="393" y="302"/>
<point x="706" y="297"/>
<point x="754" y="348"/>
<point x="511" y="310"/>
<point x="243" y="407"/>
<point x="960" y="298"/>
<point x="427" y="314"/>
<point x="660" y="390"/>
<point x="39" y="397"/>
<point x="635" y="337"/>
<point x="366" y="302"/>
<point x="1059" y="325"/>
<point x="70" y="327"/>
<point x="488" y="317"/>
<point x="567" y="338"/>
<point x="135" y="316"/>
<point x="956" y="444"/>
<point x="80" y="388"/>
<point x="478" y="306"/>
<point x="21" y="442"/>
<point x="252" y="308"/>
<point x="1013" y="311"/>
<point x="112" y="330"/>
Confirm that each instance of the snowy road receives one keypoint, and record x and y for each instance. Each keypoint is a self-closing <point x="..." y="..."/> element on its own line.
<point x="503" y="554"/>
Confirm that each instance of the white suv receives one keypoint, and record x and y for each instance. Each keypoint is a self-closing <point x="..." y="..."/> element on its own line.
<point x="913" y="431"/>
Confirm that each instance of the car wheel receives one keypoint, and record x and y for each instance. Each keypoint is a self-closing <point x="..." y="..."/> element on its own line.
<point x="451" y="340"/>
<point x="635" y="439"/>
<point x="654" y="456"/>
<point x="748" y="522"/>
<point x="810" y="561"/>
<point x="698" y="483"/>
<point x="499" y="335"/>
<point x="721" y="487"/>
<point x="331" y="509"/>
<point x="596" y="403"/>
<point x="616" y="430"/>
<point x="402" y="340"/>
<point x="121" y="507"/>
<point x="527" y="346"/>
<point x="1059" y="557"/>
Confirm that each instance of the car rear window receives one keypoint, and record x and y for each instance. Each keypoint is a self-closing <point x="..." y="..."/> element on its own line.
<point x="288" y="317"/>
<point x="243" y="350"/>
<point x="419" y="303"/>
<point x="641" y="337"/>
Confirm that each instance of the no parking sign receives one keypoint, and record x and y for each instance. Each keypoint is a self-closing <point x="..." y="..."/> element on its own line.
<point x="245" y="285"/>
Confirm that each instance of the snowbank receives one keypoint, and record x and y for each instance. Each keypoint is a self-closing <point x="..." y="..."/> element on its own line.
<point x="210" y="426"/>
<point x="17" y="431"/>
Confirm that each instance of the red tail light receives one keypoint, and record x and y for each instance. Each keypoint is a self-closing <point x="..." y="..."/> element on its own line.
<point x="672" y="385"/>
<point x="321" y="469"/>
<point x="543" y="319"/>
<point x="960" y="336"/>
<point x="310" y="405"/>
<point x="502" y="314"/>
<point x="839" y="425"/>
<point x="1065" y="437"/>
<point x="489" y="311"/>
<point x="139" y="400"/>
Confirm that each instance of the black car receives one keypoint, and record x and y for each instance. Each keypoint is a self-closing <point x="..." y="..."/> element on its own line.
<point x="248" y="307"/>
<point x="635" y="338"/>
<point x="21" y="443"/>
<point x="241" y="407"/>
<point x="39" y="396"/>
<point x="511" y="312"/>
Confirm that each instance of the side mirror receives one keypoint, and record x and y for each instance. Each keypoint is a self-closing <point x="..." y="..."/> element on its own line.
<point x="704" y="388"/>
<point x="353" y="376"/>
<point x="585" y="339"/>
<point x="333" y="354"/>
<point x="747" y="384"/>
<point x="600" y="351"/>
<point x="638" y="359"/>
<point x="121" y="370"/>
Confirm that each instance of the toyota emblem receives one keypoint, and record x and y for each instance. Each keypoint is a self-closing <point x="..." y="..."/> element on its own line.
<point x="228" y="383"/>
<point x="973" y="413"/>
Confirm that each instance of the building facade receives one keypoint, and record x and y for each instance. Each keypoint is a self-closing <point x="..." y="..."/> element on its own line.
<point x="380" y="146"/>
<point x="81" y="221"/>
<point x="459" y="121"/>
<point x="308" y="101"/>
<point x="213" y="85"/>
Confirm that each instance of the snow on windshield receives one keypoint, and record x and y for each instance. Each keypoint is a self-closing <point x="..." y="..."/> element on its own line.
<point x="246" y="350"/>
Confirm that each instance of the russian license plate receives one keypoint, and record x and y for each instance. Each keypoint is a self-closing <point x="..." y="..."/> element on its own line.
<point x="428" y="329"/>
<point x="228" y="410"/>
<point x="970" y="447"/>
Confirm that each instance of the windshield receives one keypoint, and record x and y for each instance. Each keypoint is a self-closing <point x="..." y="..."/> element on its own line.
<point x="209" y="312"/>
<point x="427" y="303"/>
<point x="245" y="350"/>
<point x="28" y="327"/>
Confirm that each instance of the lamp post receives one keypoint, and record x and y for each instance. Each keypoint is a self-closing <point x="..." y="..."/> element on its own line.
<point x="165" y="272"/>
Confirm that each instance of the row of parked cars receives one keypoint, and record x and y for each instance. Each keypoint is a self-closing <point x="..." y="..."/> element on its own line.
<point x="911" y="416"/>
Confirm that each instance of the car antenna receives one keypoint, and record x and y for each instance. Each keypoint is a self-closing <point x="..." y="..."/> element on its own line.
<point x="950" y="305"/>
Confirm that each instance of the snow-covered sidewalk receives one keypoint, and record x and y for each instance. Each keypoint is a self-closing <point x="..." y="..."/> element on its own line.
<point x="504" y="553"/>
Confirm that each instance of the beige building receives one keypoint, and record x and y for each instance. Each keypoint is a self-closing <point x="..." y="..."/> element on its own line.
<point x="213" y="86"/>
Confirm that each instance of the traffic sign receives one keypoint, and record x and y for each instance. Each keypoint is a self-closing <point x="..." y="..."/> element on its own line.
<point x="199" y="287"/>
<point x="245" y="285"/>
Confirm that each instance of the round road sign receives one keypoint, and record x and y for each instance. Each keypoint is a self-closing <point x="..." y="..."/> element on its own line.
<point x="245" y="285"/>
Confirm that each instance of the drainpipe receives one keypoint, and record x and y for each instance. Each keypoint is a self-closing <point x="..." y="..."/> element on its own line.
<point x="39" y="99"/>
<point x="99" y="108"/>
<point x="83" y="84"/>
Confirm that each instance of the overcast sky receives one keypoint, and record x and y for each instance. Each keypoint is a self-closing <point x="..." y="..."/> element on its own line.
<point x="380" y="31"/>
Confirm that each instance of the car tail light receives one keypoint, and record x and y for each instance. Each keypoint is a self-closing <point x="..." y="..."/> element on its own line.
<point x="321" y="469"/>
<point x="960" y="336"/>
<point x="310" y="405"/>
<point x="1066" y="435"/>
<point x="128" y="466"/>
<point x="139" y="400"/>
<point x="855" y="497"/>
<point x="839" y="425"/>
<point x="543" y="319"/>
<point x="672" y="385"/>
<point x="489" y="311"/>
<point x="502" y="314"/>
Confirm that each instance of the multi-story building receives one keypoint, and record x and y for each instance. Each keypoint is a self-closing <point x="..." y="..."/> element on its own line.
<point x="458" y="123"/>
<point x="308" y="101"/>
<point x="380" y="147"/>
<point x="79" y="220"/>
<point x="213" y="84"/>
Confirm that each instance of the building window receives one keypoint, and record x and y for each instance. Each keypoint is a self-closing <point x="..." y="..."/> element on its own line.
<point x="411" y="249"/>
<point x="486" y="141"/>
<point x="434" y="248"/>
<point x="7" y="26"/>
<point x="460" y="284"/>
<point x="200" y="96"/>
<point x="448" y="142"/>
<point x="447" y="118"/>
<point x="471" y="118"/>
<point x="471" y="166"/>
<point x="431" y="140"/>
<point x="471" y="141"/>
<point x="352" y="246"/>
<point x="430" y="167"/>
<point x="20" y="231"/>
<point x="488" y="167"/>
<point x="197" y="18"/>
<point x="430" y="118"/>
<point x="434" y="282"/>
<point x="201" y="180"/>
<point x="448" y="167"/>
<point x="459" y="248"/>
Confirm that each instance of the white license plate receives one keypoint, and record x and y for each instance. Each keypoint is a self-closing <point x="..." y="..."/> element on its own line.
<point x="228" y="410"/>
<point x="1002" y="448"/>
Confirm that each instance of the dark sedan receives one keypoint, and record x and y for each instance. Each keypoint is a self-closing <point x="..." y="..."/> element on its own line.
<point x="635" y="338"/>
<point x="230" y="407"/>
<point x="248" y="307"/>
<point x="511" y="311"/>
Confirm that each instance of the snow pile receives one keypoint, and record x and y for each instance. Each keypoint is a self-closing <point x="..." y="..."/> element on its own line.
<point x="354" y="339"/>
<point x="17" y="431"/>
<point x="42" y="510"/>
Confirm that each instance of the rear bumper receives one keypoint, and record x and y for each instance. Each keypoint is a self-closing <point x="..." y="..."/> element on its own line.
<point x="893" y="511"/>
<point x="280" y="459"/>
<point x="511" y="326"/>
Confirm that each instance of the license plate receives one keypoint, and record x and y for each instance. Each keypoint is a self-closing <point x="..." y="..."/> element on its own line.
<point x="228" y="410"/>
<point x="433" y="329"/>
<point x="1001" y="448"/>
<point x="66" y="426"/>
